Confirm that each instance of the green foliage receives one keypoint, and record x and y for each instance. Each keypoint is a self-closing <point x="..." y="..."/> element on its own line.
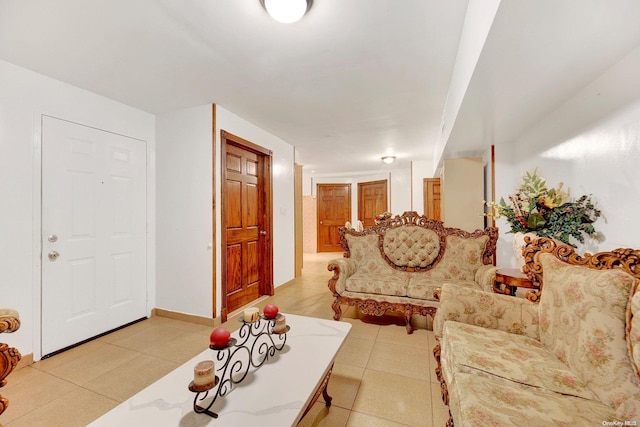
<point x="548" y="212"/>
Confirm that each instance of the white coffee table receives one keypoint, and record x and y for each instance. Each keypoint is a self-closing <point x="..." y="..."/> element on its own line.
<point x="275" y="394"/>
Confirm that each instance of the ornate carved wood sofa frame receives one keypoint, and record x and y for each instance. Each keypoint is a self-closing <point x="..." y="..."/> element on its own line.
<point x="400" y="265"/>
<point x="573" y="358"/>
<point x="9" y="356"/>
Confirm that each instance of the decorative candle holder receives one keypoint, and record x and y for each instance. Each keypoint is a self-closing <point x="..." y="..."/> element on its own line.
<point x="256" y="343"/>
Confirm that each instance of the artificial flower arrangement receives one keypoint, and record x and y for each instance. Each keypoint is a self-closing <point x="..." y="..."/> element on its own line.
<point x="549" y="212"/>
<point x="382" y="217"/>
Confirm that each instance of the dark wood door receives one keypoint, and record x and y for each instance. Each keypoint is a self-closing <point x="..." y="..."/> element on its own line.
<point x="372" y="200"/>
<point x="334" y="210"/>
<point x="432" y="197"/>
<point x="247" y="256"/>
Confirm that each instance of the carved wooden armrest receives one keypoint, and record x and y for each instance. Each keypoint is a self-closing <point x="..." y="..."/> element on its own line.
<point x="9" y="356"/>
<point x="475" y="307"/>
<point x="486" y="277"/>
<point x="9" y="320"/>
<point x="342" y="268"/>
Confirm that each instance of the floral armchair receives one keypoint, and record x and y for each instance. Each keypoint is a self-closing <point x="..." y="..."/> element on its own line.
<point x="571" y="359"/>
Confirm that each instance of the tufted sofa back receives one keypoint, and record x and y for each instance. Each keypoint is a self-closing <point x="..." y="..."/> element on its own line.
<point x="414" y="243"/>
<point x="411" y="246"/>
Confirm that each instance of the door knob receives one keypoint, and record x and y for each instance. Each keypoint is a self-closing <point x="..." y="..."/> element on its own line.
<point x="53" y="255"/>
<point x="263" y="233"/>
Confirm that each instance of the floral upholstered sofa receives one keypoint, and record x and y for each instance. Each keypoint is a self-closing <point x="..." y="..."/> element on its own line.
<point x="401" y="264"/>
<point x="570" y="360"/>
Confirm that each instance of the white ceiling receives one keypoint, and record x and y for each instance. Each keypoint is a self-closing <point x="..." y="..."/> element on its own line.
<point x="350" y="82"/>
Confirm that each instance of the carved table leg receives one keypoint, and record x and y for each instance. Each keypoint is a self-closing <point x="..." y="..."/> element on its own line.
<point x="322" y="389"/>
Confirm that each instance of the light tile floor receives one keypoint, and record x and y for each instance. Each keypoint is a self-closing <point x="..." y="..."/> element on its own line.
<point x="382" y="376"/>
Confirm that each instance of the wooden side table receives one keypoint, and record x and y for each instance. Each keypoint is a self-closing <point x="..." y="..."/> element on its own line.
<point x="512" y="279"/>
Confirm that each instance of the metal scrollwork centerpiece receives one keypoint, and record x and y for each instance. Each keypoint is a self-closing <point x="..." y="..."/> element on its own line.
<point x="255" y="345"/>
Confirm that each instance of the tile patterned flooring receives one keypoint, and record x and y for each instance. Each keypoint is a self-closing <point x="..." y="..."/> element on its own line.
<point x="382" y="376"/>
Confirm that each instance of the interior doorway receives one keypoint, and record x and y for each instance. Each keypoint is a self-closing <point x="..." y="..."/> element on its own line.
<point x="431" y="192"/>
<point x="334" y="210"/>
<point x="247" y="260"/>
<point x="94" y="219"/>
<point x="372" y="200"/>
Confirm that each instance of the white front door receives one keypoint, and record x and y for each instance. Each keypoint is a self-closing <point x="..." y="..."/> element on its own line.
<point x="93" y="232"/>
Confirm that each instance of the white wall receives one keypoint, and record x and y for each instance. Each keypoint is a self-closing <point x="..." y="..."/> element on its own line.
<point x="420" y="169"/>
<point x="25" y="97"/>
<point x="184" y="184"/>
<point x="477" y="23"/>
<point x="398" y="180"/>
<point x="591" y="143"/>
<point x="184" y="208"/>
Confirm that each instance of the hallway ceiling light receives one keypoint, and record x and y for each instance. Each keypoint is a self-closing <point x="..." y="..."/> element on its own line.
<point x="286" y="11"/>
<point x="388" y="159"/>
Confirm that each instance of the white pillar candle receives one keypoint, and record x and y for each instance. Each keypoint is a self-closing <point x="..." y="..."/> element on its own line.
<point x="280" y="326"/>
<point x="251" y="314"/>
<point x="204" y="375"/>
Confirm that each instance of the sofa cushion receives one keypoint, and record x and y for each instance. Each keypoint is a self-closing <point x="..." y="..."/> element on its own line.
<point x="411" y="246"/>
<point x="462" y="258"/>
<point x="582" y="322"/>
<point x="633" y="326"/>
<point x="493" y="401"/>
<point x="422" y="286"/>
<point x="391" y="283"/>
<point x="365" y="251"/>
<point x="514" y="357"/>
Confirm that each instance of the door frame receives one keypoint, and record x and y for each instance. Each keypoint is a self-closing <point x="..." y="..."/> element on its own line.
<point x="386" y="196"/>
<point x="265" y="288"/>
<point x="318" y="201"/>
<point x="38" y="117"/>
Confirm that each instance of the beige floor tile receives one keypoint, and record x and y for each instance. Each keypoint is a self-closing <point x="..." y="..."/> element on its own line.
<point x="344" y="384"/>
<point x="360" y="329"/>
<point x="131" y="377"/>
<point x="193" y="328"/>
<point x="439" y="409"/>
<point x="322" y="416"/>
<point x="71" y="355"/>
<point x="77" y="408"/>
<point x="94" y="364"/>
<point x="398" y="335"/>
<point x="324" y="312"/>
<point x="357" y="419"/>
<point x="149" y="337"/>
<point x="394" y="398"/>
<point x="181" y="349"/>
<point x="32" y="388"/>
<point x="395" y="359"/>
<point x="126" y="332"/>
<point x="355" y="351"/>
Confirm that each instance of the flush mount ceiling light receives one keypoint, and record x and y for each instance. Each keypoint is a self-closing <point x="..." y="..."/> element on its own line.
<point x="388" y="159"/>
<point x="286" y="11"/>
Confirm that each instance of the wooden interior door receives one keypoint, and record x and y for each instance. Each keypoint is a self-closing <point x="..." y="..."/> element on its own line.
<point x="246" y="221"/>
<point x="432" y="197"/>
<point x="372" y="200"/>
<point x="334" y="210"/>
